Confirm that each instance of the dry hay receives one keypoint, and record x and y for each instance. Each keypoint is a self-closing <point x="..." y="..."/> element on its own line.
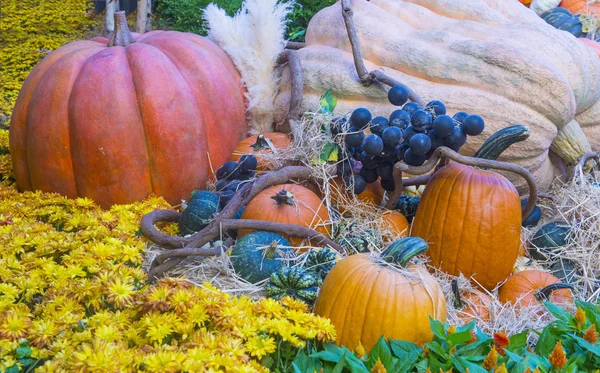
<point x="577" y="202"/>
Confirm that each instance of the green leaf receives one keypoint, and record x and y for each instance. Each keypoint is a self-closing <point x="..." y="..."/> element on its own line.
<point x="518" y="341"/>
<point x="586" y="345"/>
<point x="463" y="364"/>
<point x="422" y="366"/>
<point x="437" y="328"/>
<point x="403" y="348"/>
<point x="23" y="352"/>
<point x="460" y="337"/>
<point x="328" y="102"/>
<point x="332" y="353"/>
<point x="545" y="342"/>
<point x="27" y="362"/>
<point x="479" y="348"/>
<point x="379" y="351"/>
<point x="467" y="327"/>
<point x="330" y="153"/>
<point x="303" y="363"/>
<point x="13" y="369"/>
<point x="438" y="349"/>
<point x="408" y="361"/>
<point x="514" y="357"/>
<point x="558" y="312"/>
<point x="340" y="365"/>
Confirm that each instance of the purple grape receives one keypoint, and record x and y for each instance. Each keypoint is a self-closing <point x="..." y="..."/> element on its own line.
<point x="411" y="107"/>
<point x="370" y="175"/>
<point x="456" y="139"/>
<point x="460" y="116"/>
<point x="421" y="119"/>
<point x="409" y="132"/>
<point x="379" y="124"/>
<point x="420" y="144"/>
<point x="443" y="125"/>
<point x="413" y="159"/>
<point x="355" y="138"/>
<point x="437" y="107"/>
<point x="391" y="137"/>
<point x="372" y="144"/>
<point x="398" y="95"/>
<point x="360" y="118"/>
<point x="400" y="118"/>
<point x="473" y="125"/>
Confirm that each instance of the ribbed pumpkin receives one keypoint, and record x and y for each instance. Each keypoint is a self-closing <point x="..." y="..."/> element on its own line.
<point x="495" y="58"/>
<point x="288" y="204"/>
<point x="532" y="286"/>
<point x="472" y="218"/>
<point x="258" y="146"/>
<point x="365" y="298"/>
<point x="581" y="6"/>
<point x="117" y="123"/>
<point x="563" y="19"/>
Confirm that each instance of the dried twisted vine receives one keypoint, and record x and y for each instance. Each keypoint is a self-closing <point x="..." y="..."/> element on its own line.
<point x="364" y="75"/>
<point x="583" y="162"/>
<point x="192" y="245"/>
<point x="446" y="153"/>
<point x="291" y="58"/>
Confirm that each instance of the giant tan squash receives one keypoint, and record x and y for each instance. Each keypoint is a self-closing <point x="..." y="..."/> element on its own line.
<point x="495" y="58"/>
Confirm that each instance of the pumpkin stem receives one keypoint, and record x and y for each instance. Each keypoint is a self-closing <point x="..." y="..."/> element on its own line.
<point x="458" y="303"/>
<point x="544" y="293"/>
<point x="402" y="251"/>
<point x="121" y="36"/>
<point x="261" y="143"/>
<point x="283" y="197"/>
<point x="496" y="144"/>
<point x="271" y="250"/>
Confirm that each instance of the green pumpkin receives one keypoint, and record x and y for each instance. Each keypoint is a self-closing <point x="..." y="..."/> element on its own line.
<point x="407" y="206"/>
<point x="321" y="261"/>
<point x="566" y="270"/>
<point x="201" y="208"/>
<point x="400" y="252"/>
<point x="295" y="282"/>
<point x="258" y="254"/>
<point x="548" y="238"/>
<point x="533" y="218"/>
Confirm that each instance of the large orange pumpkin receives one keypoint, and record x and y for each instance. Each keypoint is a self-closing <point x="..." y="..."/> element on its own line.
<point x="258" y="146"/>
<point x="365" y="298"/>
<point x="288" y="204"/>
<point x="532" y="286"/>
<point x="581" y="6"/>
<point x="472" y="221"/>
<point x="117" y="123"/>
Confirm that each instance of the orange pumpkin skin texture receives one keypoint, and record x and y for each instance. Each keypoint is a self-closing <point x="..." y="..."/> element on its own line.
<point x="116" y="124"/>
<point x="373" y="194"/>
<point x="471" y="220"/>
<point x="396" y="223"/>
<point x="365" y="300"/>
<point x="580" y="6"/>
<point x="520" y="289"/>
<point x="476" y="306"/>
<point x="592" y="44"/>
<point x="250" y="146"/>
<point x="306" y="209"/>
<point x="525" y="2"/>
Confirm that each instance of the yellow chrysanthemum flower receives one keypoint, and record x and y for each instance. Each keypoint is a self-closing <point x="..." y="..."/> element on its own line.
<point x="260" y="347"/>
<point x="14" y="326"/>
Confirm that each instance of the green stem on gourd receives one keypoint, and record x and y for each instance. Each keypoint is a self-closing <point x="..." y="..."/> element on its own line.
<point x="458" y="303"/>
<point x="261" y="143"/>
<point x="544" y="293"/>
<point x="496" y="144"/>
<point x="271" y="250"/>
<point x="283" y="197"/>
<point x="121" y="37"/>
<point x="403" y="250"/>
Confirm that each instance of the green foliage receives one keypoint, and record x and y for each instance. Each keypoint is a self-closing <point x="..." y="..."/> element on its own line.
<point x="186" y="15"/>
<point x="466" y="348"/>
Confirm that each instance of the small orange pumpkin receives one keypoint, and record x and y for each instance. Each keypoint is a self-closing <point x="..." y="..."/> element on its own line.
<point x="373" y="194"/>
<point x="581" y="6"/>
<point x="531" y="287"/>
<point x="396" y="224"/>
<point x="527" y="3"/>
<point x="471" y="305"/>
<point x="258" y="146"/>
<point x="288" y="204"/>
<point x="364" y="298"/>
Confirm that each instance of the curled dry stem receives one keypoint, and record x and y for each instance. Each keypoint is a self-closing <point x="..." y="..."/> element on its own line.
<point x="291" y="58"/>
<point x="295" y="45"/>
<point x="224" y="221"/>
<point x="585" y="164"/>
<point x="444" y="152"/>
<point x="364" y="75"/>
<point x="398" y="182"/>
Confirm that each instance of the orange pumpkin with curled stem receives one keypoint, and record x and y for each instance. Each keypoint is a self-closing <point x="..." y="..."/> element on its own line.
<point x="258" y="146"/>
<point x="532" y="287"/>
<point x="581" y="6"/>
<point x="288" y="204"/>
<point x="471" y="305"/>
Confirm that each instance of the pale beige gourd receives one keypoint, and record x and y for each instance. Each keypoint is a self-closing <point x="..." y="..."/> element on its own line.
<point x="495" y="58"/>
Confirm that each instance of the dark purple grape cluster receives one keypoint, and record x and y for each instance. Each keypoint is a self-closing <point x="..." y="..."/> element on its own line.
<point x="232" y="175"/>
<point x="410" y="134"/>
